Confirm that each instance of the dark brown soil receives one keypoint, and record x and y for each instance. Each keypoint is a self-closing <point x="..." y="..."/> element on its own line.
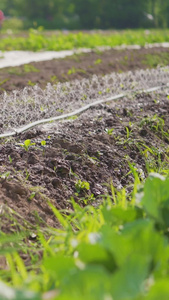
<point x="96" y="148"/>
<point x="81" y="66"/>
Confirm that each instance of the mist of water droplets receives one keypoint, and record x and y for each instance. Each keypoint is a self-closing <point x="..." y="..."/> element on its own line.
<point x="19" y="108"/>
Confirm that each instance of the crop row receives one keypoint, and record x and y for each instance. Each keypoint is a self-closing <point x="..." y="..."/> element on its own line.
<point x="38" y="40"/>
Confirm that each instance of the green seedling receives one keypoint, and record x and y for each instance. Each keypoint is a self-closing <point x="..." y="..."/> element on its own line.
<point x="82" y="186"/>
<point x="87" y="200"/>
<point x="10" y="159"/>
<point x="27" y="174"/>
<point x="153" y="60"/>
<point x="71" y="173"/>
<point x="30" y="68"/>
<point x="3" y="81"/>
<point x="109" y="131"/>
<point x="154" y="122"/>
<point x="60" y="110"/>
<point x="128" y="132"/>
<point x="30" y="83"/>
<point x="43" y="143"/>
<point x="73" y="70"/>
<point x="84" y="97"/>
<point x="98" y="61"/>
<point x="5" y="175"/>
<point x="32" y="195"/>
<point x="27" y="144"/>
<point x="72" y="117"/>
<point x="54" y="78"/>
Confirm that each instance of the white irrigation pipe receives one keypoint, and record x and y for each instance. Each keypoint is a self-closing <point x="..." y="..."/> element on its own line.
<point x="77" y="111"/>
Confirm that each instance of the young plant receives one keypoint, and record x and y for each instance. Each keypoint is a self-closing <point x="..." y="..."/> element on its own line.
<point x="109" y="131"/>
<point x="26" y="145"/>
<point x="82" y="186"/>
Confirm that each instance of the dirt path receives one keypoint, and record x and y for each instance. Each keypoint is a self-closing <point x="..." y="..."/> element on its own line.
<point x="81" y="156"/>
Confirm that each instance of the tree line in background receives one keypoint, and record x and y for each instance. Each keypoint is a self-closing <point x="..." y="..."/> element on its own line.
<point x="89" y="14"/>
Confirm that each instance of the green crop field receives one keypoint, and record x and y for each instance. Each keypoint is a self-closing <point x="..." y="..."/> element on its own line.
<point x="39" y="40"/>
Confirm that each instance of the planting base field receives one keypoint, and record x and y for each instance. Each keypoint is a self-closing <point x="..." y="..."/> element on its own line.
<point x="80" y="157"/>
<point x="79" y="219"/>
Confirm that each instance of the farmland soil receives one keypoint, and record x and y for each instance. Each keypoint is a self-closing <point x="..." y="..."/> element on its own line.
<point x="80" y="158"/>
<point x="96" y="148"/>
<point x="81" y="66"/>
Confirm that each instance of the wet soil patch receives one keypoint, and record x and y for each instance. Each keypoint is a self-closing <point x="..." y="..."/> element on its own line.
<point x="80" y="158"/>
<point x="81" y="66"/>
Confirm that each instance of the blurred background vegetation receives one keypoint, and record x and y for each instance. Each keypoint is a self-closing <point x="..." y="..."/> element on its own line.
<point x="88" y="14"/>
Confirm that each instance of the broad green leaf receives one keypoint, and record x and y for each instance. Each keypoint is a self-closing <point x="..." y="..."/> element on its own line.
<point x="91" y="283"/>
<point x="135" y="238"/>
<point x="119" y="216"/>
<point x="127" y="283"/>
<point x="160" y="290"/>
<point x="59" y="266"/>
<point x="156" y="196"/>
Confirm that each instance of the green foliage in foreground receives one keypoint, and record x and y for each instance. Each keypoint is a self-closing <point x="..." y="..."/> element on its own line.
<point x="116" y="251"/>
<point x="38" y="40"/>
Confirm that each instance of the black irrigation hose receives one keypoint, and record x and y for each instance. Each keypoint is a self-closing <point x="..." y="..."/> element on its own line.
<point x="77" y="111"/>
